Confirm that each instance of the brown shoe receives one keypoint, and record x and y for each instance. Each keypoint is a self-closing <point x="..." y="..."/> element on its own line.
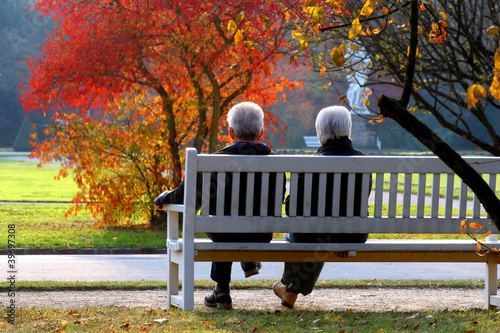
<point x="287" y="299"/>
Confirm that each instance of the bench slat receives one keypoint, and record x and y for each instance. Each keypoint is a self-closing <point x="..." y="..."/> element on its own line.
<point x="294" y="181"/>
<point x="393" y="193"/>
<point x="337" y="178"/>
<point x="421" y="194"/>
<point x="322" y="195"/>
<point x="249" y="197"/>
<point x="235" y="199"/>
<point x="278" y="199"/>
<point x="462" y="208"/>
<point x="341" y="225"/>
<point x="364" y="194"/>
<point x="221" y="189"/>
<point x="379" y="192"/>
<point x="264" y="190"/>
<point x="407" y="194"/>
<point x="350" y="194"/>
<point x="308" y="190"/>
<point x="448" y="210"/>
<point x="436" y="178"/>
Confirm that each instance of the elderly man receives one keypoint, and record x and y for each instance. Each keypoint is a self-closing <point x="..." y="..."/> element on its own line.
<point x="333" y="129"/>
<point x="246" y="123"/>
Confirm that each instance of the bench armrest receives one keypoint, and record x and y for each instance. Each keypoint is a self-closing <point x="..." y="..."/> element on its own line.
<point x="173" y="207"/>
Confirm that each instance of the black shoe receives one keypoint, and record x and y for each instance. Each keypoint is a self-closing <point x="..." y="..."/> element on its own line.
<point x="251" y="268"/>
<point x="220" y="301"/>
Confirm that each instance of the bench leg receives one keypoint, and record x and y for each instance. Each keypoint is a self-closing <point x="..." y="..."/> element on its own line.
<point x="188" y="282"/>
<point x="172" y="280"/>
<point x="491" y="283"/>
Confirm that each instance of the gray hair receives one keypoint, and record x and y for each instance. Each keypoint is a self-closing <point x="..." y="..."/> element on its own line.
<point x="333" y="122"/>
<point x="247" y="120"/>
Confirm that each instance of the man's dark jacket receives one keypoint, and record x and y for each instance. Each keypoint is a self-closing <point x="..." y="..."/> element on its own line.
<point x="342" y="147"/>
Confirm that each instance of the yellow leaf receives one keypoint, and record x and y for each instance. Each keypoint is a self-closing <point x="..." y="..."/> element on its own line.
<point x="250" y="45"/>
<point x="356" y="28"/>
<point x="232" y="27"/>
<point x="240" y="17"/>
<point x="495" y="87"/>
<point x="376" y="31"/>
<point x="300" y="37"/>
<point x="64" y="322"/>
<point x="443" y="15"/>
<point x="322" y="71"/>
<point x="493" y="30"/>
<point x="368" y="8"/>
<point x="337" y="56"/>
<point x="238" y="36"/>
<point x="316" y="13"/>
<point x="496" y="57"/>
<point x="475" y="225"/>
<point x="474" y="94"/>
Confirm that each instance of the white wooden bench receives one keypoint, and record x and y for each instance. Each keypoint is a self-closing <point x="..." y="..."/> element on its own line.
<point x="390" y="213"/>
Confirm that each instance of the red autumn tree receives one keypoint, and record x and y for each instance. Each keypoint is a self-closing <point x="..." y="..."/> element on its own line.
<point x="129" y="84"/>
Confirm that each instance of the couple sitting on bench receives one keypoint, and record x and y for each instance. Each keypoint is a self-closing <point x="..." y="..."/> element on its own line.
<point x="246" y="122"/>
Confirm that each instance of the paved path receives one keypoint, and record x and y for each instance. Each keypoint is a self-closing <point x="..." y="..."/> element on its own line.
<point x="153" y="267"/>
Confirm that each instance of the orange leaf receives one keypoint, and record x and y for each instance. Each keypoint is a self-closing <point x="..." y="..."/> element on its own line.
<point x="341" y="99"/>
<point x="478" y="246"/>
<point x="475" y="225"/>
<point x="462" y="226"/>
<point x="322" y="71"/>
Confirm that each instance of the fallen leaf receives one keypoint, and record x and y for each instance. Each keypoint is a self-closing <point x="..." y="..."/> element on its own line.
<point x="161" y="321"/>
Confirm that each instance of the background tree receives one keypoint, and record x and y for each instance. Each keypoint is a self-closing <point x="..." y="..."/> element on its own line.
<point x="460" y="56"/>
<point x="20" y="37"/>
<point x="130" y="84"/>
<point x="359" y="23"/>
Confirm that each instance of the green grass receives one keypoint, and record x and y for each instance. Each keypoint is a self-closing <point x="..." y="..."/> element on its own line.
<point x="121" y="319"/>
<point x="44" y="226"/>
<point x="23" y="181"/>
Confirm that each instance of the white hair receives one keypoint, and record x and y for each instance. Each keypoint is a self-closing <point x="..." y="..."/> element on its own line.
<point x="333" y="122"/>
<point x="247" y="120"/>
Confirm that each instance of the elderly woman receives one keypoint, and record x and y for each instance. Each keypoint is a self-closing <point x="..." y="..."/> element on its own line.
<point x="333" y="129"/>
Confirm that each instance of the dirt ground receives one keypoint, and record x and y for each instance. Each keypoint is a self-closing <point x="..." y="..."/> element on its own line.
<point x="382" y="299"/>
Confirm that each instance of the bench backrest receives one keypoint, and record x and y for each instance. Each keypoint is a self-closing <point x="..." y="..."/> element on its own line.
<point x="425" y="205"/>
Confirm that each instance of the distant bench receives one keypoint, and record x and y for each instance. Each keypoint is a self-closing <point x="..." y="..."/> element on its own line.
<point x="311" y="142"/>
<point x="386" y="215"/>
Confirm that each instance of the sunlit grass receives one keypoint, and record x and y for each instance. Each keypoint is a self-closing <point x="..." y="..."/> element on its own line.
<point x="117" y="319"/>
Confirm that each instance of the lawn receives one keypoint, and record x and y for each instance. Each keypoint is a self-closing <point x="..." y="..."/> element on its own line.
<point x="120" y="319"/>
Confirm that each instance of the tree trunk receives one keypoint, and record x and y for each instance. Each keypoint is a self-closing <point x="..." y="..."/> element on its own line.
<point x="393" y="109"/>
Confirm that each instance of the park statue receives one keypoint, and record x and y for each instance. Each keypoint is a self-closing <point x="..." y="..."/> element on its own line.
<point x="359" y="64"/>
